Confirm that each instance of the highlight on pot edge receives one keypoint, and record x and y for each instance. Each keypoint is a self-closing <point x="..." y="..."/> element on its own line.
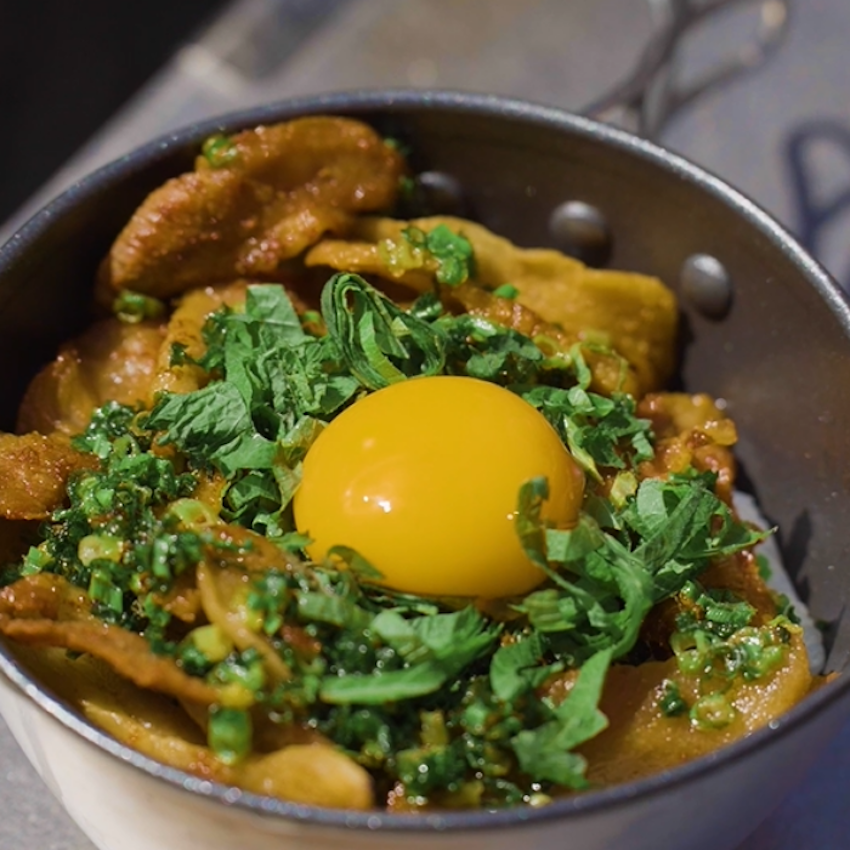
<point x="365" y="511"/>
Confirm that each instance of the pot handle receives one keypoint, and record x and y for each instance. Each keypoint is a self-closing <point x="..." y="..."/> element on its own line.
<point x="652" y="94"/>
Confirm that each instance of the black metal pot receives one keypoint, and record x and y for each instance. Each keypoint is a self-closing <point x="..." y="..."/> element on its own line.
<point x="767" y="330"/>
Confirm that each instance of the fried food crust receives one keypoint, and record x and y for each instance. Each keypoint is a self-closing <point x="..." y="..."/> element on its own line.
<point x="45" y="610"/>
<point x="111" y="361"/>
<point x="280" y="190"/>
<point x="34" y="470"/>
<point x="632" y="313"/>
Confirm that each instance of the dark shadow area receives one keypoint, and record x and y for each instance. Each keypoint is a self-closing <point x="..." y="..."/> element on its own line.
<point x="836" y="640"/>
<point x="795" y="545"/>
<point x="66" y="67"/>
<point x="684" y="341"/>
<point x="815" y="210"/>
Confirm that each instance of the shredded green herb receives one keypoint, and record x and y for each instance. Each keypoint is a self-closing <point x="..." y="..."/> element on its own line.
<point x="715" y="638"/>
<point x="434" y="696"/>
<point x="448" y="254"/>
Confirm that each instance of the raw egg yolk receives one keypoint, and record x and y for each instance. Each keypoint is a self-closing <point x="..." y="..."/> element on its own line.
<point x="422" y="479"/>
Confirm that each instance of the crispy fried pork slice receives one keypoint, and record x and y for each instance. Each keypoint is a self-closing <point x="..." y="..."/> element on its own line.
<point x="610" y="372"/>
<point x="45" y="610"/>
<point x="34" y="470"/>
<point x="641" y="740"/>
<point x="692" y="431"/>
<point x="111" y="361"/>
<point x="271" y="193"/>
<point x="316" y="773"/>
<point x="632" y="313"/>
<point x="185" y="328"/>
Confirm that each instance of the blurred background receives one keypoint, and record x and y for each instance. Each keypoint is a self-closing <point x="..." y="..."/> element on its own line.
<point x="66" y="67"/>
<point x="82" y="83"/>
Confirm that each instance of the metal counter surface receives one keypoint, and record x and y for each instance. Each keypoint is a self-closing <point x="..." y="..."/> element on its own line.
<point x="782" y="135"/>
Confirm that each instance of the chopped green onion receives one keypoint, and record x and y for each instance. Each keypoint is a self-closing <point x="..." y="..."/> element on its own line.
<point x="230" y="733"/>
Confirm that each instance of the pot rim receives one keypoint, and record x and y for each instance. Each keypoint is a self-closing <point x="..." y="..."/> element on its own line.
<point x="352" y="104"/>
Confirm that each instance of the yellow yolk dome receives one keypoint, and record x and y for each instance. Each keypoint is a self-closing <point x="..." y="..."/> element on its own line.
<point x="422" y="479"/>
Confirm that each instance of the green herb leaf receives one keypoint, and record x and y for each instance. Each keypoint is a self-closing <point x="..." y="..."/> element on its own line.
<point x="506" y="290"/>
<point x="482" y="349"/>
<point x="333" y="609"/>
<point x="598" y="431"/>
<point x="517" y="668"/>
<point x="453" y="253"/>
<point x="544" y="752"/>
<point x="435" y="648"/>
<point x="395" y="685"/>
<point x="380" y="343"/>
<point x="448" y="253"/>
<point x="212" y="425"/>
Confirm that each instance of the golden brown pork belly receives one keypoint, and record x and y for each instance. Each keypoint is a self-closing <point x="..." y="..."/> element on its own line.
<point x="275" y="191"/>
<point x="640" y="740"/>
<point x="34" y="470"/>
<point x="44" y="610"/>
<point x="636" y="315"/>
<point x="111" y="361"/>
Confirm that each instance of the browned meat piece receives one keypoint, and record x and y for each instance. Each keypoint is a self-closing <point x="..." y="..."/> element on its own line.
<point x="183" y="600"/>
<point x="275" y="192"/>
<point x="184" y="328"/>
<point x="110" y="361"/>
<point x="240" y="548"/>
<point x="310" y="769"/>
<point x="34" y="470"/>
<point x="634" y="314"/>
<point x="317" y="774"/>
<point x="640" y="740"/>
<point x="610" y="372"/>
<point x="224" y="581"/>
<point x="44" y="610"/>
<point x="674" y="413"/>
<point x="690" y="431"/>
<point x="740" y="574"/>
<point x="693" y="449"/>
<point x="314" y="773"/>
<point x="45" y="596"/>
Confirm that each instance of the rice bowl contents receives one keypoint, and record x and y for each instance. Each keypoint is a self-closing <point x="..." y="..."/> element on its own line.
<point x="185" y="607"/>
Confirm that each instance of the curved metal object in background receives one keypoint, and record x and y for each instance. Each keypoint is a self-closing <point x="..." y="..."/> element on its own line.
<point x="652" y="93"/>
<point x="249" y="55"/>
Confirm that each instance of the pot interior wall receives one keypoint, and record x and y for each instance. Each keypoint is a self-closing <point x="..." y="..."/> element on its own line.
<point x="779" y="358"/>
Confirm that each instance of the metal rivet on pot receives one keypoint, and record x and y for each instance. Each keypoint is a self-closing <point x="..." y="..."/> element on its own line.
<point x="581" y="230"/>
<point x="706" y="285"/>
<point x="439" y="193"/>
